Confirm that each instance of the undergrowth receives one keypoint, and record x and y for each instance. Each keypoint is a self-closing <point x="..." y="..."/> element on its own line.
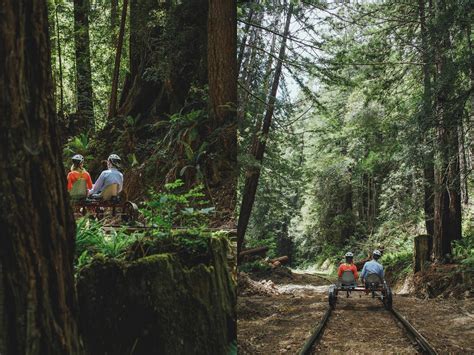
<point x="180" y="219"/>
<point x="463" y="250"/>
<point x="398" y="265"/>
<point x="254" y="266"/>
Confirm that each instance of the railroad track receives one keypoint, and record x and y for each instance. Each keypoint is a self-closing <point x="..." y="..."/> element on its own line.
<point x="425" y="346"/>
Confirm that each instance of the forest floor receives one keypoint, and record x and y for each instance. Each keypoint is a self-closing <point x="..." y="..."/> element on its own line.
<point x="277" y="314"/>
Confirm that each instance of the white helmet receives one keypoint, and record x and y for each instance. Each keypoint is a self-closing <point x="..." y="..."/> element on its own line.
<point x="377" y="253"/>
<point x="78" y="158"/>
<point x="349" y="255"/>
<point x="114" y="159"/>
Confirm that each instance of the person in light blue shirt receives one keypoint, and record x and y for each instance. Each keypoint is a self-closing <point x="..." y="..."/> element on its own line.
<point x="110" y="176"/>
<point x="372" y="266"/>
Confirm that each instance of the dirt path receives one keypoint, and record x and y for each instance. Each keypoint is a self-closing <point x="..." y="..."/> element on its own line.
<point x="363" y="326"/>
<point x="279" y="323"/>
<point x="448" y="324"/>
<point x="282" y="320"/>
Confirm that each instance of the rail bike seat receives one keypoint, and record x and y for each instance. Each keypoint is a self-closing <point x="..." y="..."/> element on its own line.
<point x="347" y="280"/>
<point x="374" y="281"/>
<point x="109" y="194"/>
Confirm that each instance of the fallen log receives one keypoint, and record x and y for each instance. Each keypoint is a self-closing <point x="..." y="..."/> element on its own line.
<point x="253" y="251"/>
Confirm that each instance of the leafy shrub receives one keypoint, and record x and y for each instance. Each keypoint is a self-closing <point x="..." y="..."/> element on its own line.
<point x="399" y="264"/>
<point x="463" y="250"/>
<point x="174" y="208"/>
<point x="92" y="240"/>
<point x="254" y="266"/>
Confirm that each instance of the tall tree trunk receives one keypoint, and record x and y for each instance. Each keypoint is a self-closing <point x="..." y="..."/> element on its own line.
<point x="37" y="295"/>
<point x="258" y="149"/>
<point x="222" y="78"/>
<point x="426" y="123"/>
<point x="243" y="44"/>
<point x="118" y="56"/>
<point x="113" y="19"/>
<point x="85" y="105"/>
<point x="447" y="216"/>
<point x="61" y="86"/>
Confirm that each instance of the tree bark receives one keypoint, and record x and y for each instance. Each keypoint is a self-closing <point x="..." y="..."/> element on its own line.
<point x="37" y="295"/>
<point x="222" y="77"/>
<point x="113" y="19"/>
<point x="84" y="96"/>
<point x="60" y="61"/>
<point x="253" y="175"/>
<point x="422" y="251"/>
<point x="118" y="56"/>
<point x="243" y="44"/>
<point x="426" y="123"/>
<point x="447" y="211"/>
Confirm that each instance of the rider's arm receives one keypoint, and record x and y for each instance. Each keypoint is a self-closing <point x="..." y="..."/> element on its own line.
<point x="69" y="181"/>
<point x="381" y="271"/>
<point x="339" y="271"/>
<point x="98" y="184"/>
<point x="88" y="181"/>
<point x="354" y="270"/>
<point x="362" y="274"/>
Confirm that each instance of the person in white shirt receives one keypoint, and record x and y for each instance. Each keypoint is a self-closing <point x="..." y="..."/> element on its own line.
<point x="108" y="177"/>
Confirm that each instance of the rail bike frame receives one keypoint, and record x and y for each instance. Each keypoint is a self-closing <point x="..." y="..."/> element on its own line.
<point x="374" y="285"/>
<point x="127" y="210"/>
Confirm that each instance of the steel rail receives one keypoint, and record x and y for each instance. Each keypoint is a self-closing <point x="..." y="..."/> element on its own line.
<point x="318" y="331"/>
<point x="420" y="339"/>
<point x="316" y="335"/>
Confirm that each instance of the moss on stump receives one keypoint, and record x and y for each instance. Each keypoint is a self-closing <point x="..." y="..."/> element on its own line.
<point x="157" y="305"/>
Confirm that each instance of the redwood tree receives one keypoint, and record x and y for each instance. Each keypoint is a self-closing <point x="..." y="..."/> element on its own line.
<point x="258" y="148"/>
<point x="85" y="106"/>
<point x="448" y="110"/>
<point x="37" y="297"/>
<point x="222" y="74"/>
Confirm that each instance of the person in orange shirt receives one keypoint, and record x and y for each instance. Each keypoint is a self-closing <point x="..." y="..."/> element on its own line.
<point x="348" y="265"/>
<point x="78" y="172"/>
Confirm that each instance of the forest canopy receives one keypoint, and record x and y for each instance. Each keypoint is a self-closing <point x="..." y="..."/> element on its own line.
<point x="370" y="142"/>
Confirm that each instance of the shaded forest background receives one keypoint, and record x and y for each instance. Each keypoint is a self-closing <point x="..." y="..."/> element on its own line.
<point x="368" y="139"/>
<point x="131" y="77"/>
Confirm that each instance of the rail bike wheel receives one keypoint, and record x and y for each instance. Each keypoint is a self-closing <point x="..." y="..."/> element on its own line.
<point x="388" y="299"/>
<point x="332" y="296"/>
<point x="129" y="212"/>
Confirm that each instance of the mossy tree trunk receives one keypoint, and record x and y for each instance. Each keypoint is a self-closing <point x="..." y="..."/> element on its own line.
<point x="37" y="295"/>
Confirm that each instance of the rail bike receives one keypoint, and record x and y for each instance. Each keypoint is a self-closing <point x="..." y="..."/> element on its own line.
<point x="108" y="200"/>
<point x="374" y="285"/>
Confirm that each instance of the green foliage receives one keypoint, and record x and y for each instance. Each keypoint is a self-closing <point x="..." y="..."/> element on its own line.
<point x="79" y="144"/>
<point x="254" y="266"/>
<point x="178" y="207"/>
<point x="463" y="250"/>
<point x="344" y="161"/>
<point x="91" y="240"/>
<point x="399" y="264"/>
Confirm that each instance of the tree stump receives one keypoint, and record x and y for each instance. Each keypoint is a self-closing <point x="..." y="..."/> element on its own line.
<point x="422" y="251"/>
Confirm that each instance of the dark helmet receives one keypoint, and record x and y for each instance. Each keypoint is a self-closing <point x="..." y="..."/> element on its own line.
<point x="77" y="159"/>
